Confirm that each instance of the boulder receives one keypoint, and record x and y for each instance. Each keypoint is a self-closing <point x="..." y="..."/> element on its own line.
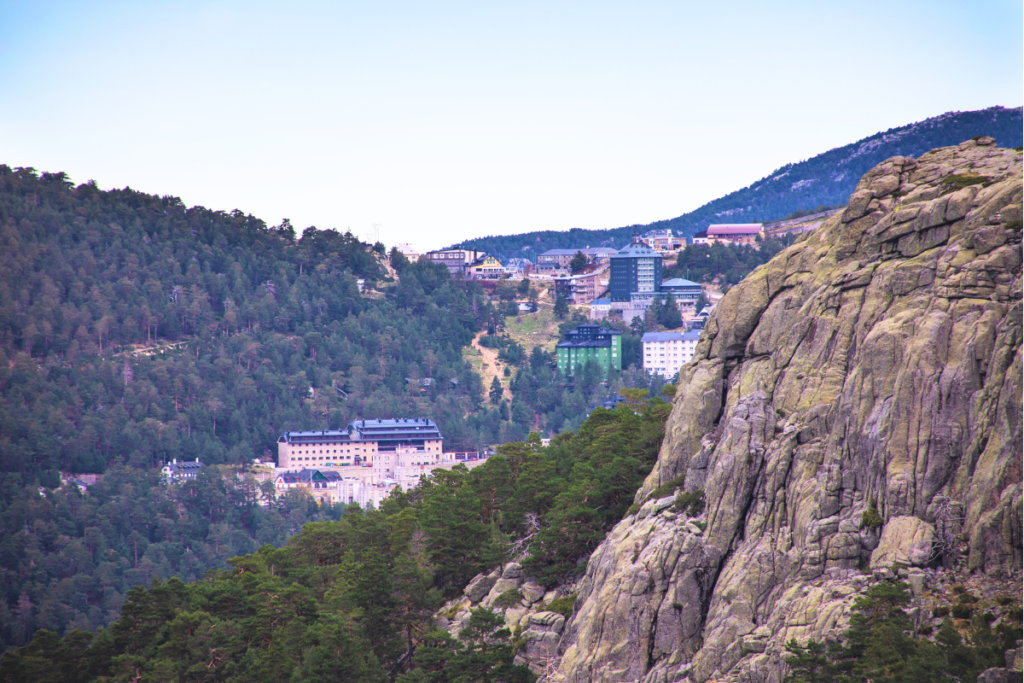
<point x="513" y="570"/>
<point x="532" y="592"/>
<point x="547" y="621"/>
<point x="998" y="675"/>
<point x="905" y="540"/>
<point x="479" y="587"/>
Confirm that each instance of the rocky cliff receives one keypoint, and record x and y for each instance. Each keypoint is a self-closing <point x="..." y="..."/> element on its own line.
<point x="853" y="408"/>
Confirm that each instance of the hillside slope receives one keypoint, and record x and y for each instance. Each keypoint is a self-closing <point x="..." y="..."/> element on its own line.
<point x="854" y="404"/>
<point x="824" y="180"/>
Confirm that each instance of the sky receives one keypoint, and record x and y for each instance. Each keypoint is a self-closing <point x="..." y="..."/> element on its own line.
<point x="434" y="122"/>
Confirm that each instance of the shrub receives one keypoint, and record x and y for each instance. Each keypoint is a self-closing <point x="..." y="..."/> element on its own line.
<point x="690" y="504"/>
<point x="958" y="589"/>
<point x="967" y="599"/>
<point x="870" y="519"/>
<point x="1016" y="614"/>
<point x="961" y="611"/>
<point x="1004" y="600"/>
<point x="563" y="606"/>
<point x="667" y="488"/>
<point x="633" y="509"/>
<point x="925" y="630"/>
<point x="940" y="612"/>
<point x="509" y="598"/>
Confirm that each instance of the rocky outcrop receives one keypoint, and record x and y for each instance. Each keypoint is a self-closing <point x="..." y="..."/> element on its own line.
<point x="524" y="604"/>
<point x="853" y="409"/>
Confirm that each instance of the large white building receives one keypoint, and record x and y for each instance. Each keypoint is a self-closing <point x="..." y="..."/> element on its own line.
<point x="666" y="352"/>
<point x="357" y="445"/>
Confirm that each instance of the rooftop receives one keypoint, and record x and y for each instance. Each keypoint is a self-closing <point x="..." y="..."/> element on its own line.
<point x="734" y="228"/>
<point x="634" y="249"/>
<point x="670" y="336"/>
<point x="679" y="282"/>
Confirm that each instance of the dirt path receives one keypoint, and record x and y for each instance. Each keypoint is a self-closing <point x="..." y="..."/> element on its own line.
<point x="489" y="368"/>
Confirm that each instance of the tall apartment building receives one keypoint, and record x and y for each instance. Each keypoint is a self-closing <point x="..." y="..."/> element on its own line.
<point x="666" y="352"/>
<point x="636" y="269"/>
<point x="590" y="342"/>
<point x="358" y="445"/>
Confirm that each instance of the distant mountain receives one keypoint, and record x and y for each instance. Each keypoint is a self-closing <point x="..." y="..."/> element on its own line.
<point x="824" y="180"/>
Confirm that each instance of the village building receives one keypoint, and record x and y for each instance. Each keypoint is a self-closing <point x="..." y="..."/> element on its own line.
<point x="700" y="237"/>
<point x="685" y="292"/>
<point x="582" y="289"/>
<point x="358" y="445"/>
<point x="559" y="259"/>
<point x="635" y="269"/>
<point x="736" y="233"/>
<point x="599" y="308"/>
<point x="590" y="342"/>
<point x="408" y="252"/>
<point x="663" y="241"/>
<point x="181" y="471"/>
<point x="457" y="261"/>
<point x="487" y="268"/>
<point x="666" y="352"/>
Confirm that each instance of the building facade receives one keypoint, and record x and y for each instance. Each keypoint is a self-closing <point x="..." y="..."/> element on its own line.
<point x="735" y="233"/>
<point x="666" y="352"/>
<point x="582" y="289"/>
<point x="455" y="260"/>
<point x="599" y="308"/>
<point x="180" y="471"/>
<point x="635" y="269"/>
<point x="590" y="342"/>
<point x="661" y="240"/>
<point x="684" y="292"/>
<point x="358" y="445"/>
<point x="487" y="268"/>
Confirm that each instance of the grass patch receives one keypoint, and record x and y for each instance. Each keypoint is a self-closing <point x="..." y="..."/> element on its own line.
<point x="509" y="598"/>
<point x="690" y="504"/>
<point x="667" y="488"/>
<point x="563" y="606"/>
<point x="958" y="181"/>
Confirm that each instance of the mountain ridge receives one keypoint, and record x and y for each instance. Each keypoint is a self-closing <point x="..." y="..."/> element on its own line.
<point x="794" y="187"/>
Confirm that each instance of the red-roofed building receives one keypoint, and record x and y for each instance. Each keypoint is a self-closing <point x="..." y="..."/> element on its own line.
<point x="735" y="233"/>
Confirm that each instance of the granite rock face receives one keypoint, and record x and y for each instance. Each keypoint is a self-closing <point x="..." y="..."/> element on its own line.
<point x="875" y="366"/>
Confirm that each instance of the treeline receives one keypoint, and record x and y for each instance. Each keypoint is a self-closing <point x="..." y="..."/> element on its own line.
<point x="353" y="599"/>
<point x="68" y="559"/>
<point x="824" y="180"/>
<point x="733" y="262"/>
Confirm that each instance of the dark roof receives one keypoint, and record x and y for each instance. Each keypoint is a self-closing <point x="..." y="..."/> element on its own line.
<point x="372" y="430"/>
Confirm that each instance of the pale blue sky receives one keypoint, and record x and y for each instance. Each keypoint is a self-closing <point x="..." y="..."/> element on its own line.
<point x="447" y="120"/>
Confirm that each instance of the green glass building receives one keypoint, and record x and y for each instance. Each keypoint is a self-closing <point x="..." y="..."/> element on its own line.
<point x="590" y="342"/>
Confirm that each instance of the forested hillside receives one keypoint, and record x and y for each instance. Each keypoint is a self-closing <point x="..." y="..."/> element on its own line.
<point x="824" y="180"/>
<point x="134" y="330"/>
<point x="354" y="599"/>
